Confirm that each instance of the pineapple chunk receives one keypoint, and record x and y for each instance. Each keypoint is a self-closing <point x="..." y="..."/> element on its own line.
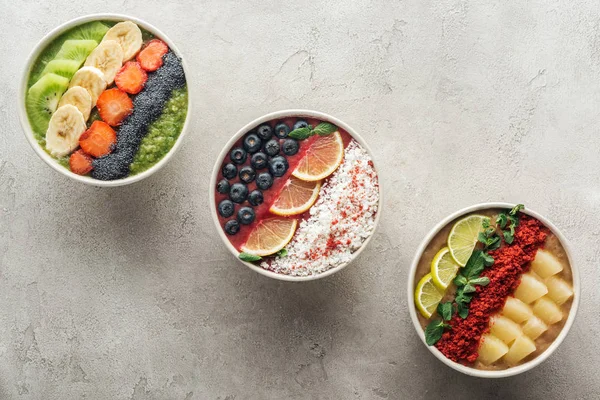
<point x="558" y="290"/>
<point x="547" y="310"/>
<point x="491" y="349"/>
<point x="530" y="289"/>
<point x="505" y="329"/>
<point x="521" y="348"/>
<point x="534" y="327"/>
<point x="545" y="264"/>
<point x="516" y="310"/>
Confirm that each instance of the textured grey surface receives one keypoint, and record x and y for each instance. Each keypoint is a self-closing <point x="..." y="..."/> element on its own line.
<point x="127" y="293"/>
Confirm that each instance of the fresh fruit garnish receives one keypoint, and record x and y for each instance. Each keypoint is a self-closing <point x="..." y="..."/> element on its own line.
<point x="463" y="237"/>
<point x="264" y="132"/>
<point x="272" y="147"/>
<point x="91" y="31"/>
<point x="131" y="78"/>
<point x="252" y="143"/>
<point x="150" y="58"/>
<point x="108" y="58"/>
<point x="42" y="100"/>
<point x="443" y="269"/>
<point x="64" y="129"/>
<point x="245" y="215"/>
<point x="238" y="193"/>
<point x="322" y="158"/>
<point x="76" y="50"/>
<point x="264" y="180"/>
<point x="282" y="130"/>
<point x="66" y="68"/>
<point x="427" y="296"/>
<point x="247" y="174"/>
<point x="129" y="37"/>
<point x="114" y="106"/>
<point x="259" y="161"/>
<point x="223" y="186"/>
<point x="78" y="97"/>
<point x="290" y="147"/>
<point x="255" y="198"/>
<point x="278" y="166"/>
<point x="91" y="79"/>
<point x="80" y="163"/>
<point x="226" y="208"/>
<point x="269" y="236"/>
<point x="238" y="155"/>
<point x="232" y="227"/>
<point x="229" y="171"/>
<point x="300" y="124"/>
<point x="296" y="197"/>
<point x="99" y="140"/>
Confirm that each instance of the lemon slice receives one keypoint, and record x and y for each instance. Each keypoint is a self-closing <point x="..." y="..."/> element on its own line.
<point x="270" y="236"/>
<point x="296" y="197"/>
<point x="427" y="296"/>
<point x="463" y="237"/>
<point x="443" y="269"/>
<point x="322" y="158"/>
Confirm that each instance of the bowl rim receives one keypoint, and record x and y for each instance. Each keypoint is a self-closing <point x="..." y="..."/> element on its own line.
<point x="278" y="115"/>
<point x="519" y="368"/>
<point x="41" y="45"/>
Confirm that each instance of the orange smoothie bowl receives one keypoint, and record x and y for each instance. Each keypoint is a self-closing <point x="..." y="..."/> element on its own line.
<point x="295" y="195"/>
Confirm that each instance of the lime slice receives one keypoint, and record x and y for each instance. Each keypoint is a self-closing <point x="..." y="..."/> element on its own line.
<point x="443" y="269"/>
<point x="427" y="296"/>
<point x="463" y="237"/>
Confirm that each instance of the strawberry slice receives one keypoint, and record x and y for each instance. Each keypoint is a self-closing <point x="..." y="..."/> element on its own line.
<point x="80" y="163"/>
<point x="131" y="78"/>
<point x="99" y="140"/>
<point x="114" y="105"/>
<point x="150" y="58"/>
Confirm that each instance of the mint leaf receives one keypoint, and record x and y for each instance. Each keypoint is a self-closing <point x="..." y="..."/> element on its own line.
<point x="501" y="220"/>
<point x="516" y="209"/>
<point x="249" y="257"/>
<point x="485" y="223"/>
<point x="474" y="265"/>
<point x="483" y="281"/>
<point x="460" y="280"/>
<point x="300" y="133"/>
<point x="434" y="332"/>
<point x="324" y="129"/>
<point x="494" y="243"/>
<point x="508" y="237"/>
<point x="282" y="253"/>
<point x="462" y="310"/>
<point x="487" y="259"/>
<point x="445" y="310"/>
<point x="469" y="288"/>
<point x="482" y="238"/>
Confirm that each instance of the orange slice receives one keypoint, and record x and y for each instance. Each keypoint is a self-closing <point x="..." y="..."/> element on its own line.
<point x="270" y="236"/>
<point x="322" y="158"/>
<point x="296" y="197"/>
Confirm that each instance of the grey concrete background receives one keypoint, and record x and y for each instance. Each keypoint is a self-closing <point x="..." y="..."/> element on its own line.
<point x="128" y="293"/>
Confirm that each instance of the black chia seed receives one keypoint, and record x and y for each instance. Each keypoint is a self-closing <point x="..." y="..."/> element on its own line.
<point x="147" y="107"/>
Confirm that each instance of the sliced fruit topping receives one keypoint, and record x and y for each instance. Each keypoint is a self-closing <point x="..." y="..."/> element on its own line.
<point x="80" y="163"/>
<point x="150" y="58"/>
<point x="42" y="100"/>
<point x="76" y="50"/>
<point x="91" y="79"/>
<point x="129" y="37"/>
<point x="463" y="237"/>
<point x="296" y="197"/>
<point x="427" y="296"/>
<point x="114" y="106"/>
<point x="66" y="68"/>
<point x="322" y="158"/>
<point x="443" y="268"/>
<point x="91" y="31"/>
<point x="64" y="129"/>
<point x="99" y="140"/>
<point x="108" y="58"/>
<point x="269" y="236"/>
<point x="78" y="97"/>
<point x="131" y="78"/>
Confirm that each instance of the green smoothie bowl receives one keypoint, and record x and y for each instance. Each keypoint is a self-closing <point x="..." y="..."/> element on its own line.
<point x="104" y="99"/>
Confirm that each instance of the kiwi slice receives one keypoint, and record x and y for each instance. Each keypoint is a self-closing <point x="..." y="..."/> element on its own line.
<point x="94" y="30"/>
<point x="76" y="50"/>
<point x="42" y="100"/>
<point x="66" y="68"/>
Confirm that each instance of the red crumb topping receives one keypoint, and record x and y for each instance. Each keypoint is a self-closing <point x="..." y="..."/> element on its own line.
<point x="461" y="343"/>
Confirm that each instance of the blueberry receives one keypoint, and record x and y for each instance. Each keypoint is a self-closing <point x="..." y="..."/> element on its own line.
<point x="264" y="132"/>
<point x="247" y="174"/>
<point x="281" y="130"/>
<point x="229" y="171"/>
<point x="223" y="185"/>
<point x="259" y="160"/>
<point x="272" y="147"/>
<point x="278" y="166"/>
<point x="255" y="198"/>
<point x="245" y="215"/>
<point x="226" y="208"/>
<point x="290" y="147"/>
<point x="300" y="124"/>
<point x="238" y="192"/>
<point x="252" y="143"/>
<point x="232" y="227"/>
<point x="238" y="155"/>
<point x="264" y="181"/>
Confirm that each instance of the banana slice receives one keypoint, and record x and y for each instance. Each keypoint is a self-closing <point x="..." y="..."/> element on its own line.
<point x="79" y="97"/>
<point x="64" y="129"/>
<point x="108" y="58"/>
<point x="91" y="79"/>
<point x="128" y="35"/>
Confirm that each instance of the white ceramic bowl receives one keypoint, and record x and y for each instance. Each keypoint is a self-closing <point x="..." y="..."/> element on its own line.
<point x="213" y="183"/>
<point x="23" y="91"/>
<point x="513" y="370"/>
